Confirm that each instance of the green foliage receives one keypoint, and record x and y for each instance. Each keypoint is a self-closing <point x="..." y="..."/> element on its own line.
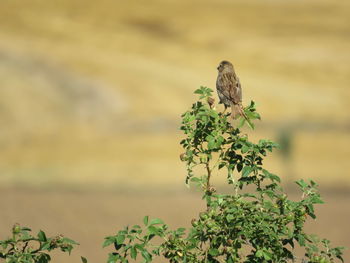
<point x="258" y="226"/>
<point x="135" y="241"/>
<point x="22" y="247"/>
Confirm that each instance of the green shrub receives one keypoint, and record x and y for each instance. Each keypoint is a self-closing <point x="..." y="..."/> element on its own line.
<point x="22" y="247"/>
<point x="256" y="226"/>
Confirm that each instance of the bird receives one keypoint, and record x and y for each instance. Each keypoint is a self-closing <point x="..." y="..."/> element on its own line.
<point x="229" y="89"/>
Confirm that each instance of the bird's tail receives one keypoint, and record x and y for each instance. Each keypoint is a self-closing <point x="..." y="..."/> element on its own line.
<point x="237" y="110"/>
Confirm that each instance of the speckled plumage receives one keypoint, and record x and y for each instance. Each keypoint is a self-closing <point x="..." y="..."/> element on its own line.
<point x="229" y="89"/>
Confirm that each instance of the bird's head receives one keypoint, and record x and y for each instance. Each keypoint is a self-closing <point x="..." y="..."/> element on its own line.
<point x="225" y="66"/>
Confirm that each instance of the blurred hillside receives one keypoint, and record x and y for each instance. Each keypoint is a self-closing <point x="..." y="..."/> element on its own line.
<point x="91" y="93"/>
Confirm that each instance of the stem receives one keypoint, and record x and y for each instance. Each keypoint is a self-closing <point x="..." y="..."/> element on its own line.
<point x="25" y="246"/>
<point x="208" y="190"/>
<point x="209" y="175"/>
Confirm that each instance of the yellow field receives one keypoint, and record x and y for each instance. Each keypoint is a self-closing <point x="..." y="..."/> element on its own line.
<point x="91" y="95"/>
<point x="89" y="89"/>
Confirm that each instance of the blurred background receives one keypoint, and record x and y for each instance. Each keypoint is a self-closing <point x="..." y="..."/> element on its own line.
<point x="92" y="92"/>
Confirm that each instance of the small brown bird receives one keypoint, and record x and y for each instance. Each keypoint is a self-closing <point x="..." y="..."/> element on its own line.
<point x="229" y="89"/>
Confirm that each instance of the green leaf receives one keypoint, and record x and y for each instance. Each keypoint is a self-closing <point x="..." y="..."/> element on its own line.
<point x="211" y="144"/>
<point x="46" y="245"/>
<point x="241" y="122"/>
<point x="147" y="256"/>
<point x="273" y="177"/>
<point x="229" y="217"/>
<point x="120" y="239"/>
<point x="198" y="91"/>
<point x="245" y="148"/>
<point x="302" y="183"/>
<point x="153" y="230"/>
<point x="4" y="245"/>
<point x="267" y="255"/>
<point x="70" y="241"/>
<point x="139" y="247"/>
<point x="136" y="229"/>
<point x="42" y="236"/>
<point x="246" y="171"/>
<point x="259" y="253"/>
<point x="156" y="221"/>
<point x="301" y="239"/>
<point x="181" y="230"/>
<point x="195" y="179"/>
<point x="108" y="241"/>
<point x="42" y="258"/>
<point x="250" y="124"/>
<point x="133" y="252"/>
<point x="249" y="195"/>
<point x="113" y="257"/>
<point x="204" y="92"/>
<point x="221" y="165"/>
<point x="317" y="200"/>
<point x="214" y="252"/>
<point x="313" y="184"/>
<point x="239" y="167"/>
<point x="145" y="220"/>
<point x="84" y="260"/>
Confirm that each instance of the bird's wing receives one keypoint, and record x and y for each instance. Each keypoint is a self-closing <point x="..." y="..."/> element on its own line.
<point x="237" y="92"/>
<point x="234" y="91"/>
<point x="223" y="85"/>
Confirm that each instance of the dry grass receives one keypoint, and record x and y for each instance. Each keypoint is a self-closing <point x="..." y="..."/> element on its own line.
<point x="82" y="81"/>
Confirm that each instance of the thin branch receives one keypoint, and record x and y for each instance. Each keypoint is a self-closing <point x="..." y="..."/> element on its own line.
<point x="209" y="175"/>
